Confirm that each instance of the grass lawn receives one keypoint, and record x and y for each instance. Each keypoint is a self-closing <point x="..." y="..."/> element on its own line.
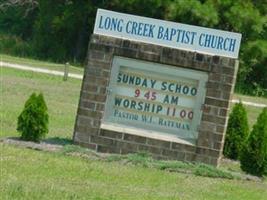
<point x="61" y="98"/>
<point x="30" y="174"/>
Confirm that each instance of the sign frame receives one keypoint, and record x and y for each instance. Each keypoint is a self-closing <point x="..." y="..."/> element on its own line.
<point x="201" y="77"/>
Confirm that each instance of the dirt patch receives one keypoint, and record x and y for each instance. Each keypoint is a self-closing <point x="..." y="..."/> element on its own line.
<point x="42" y="146"/>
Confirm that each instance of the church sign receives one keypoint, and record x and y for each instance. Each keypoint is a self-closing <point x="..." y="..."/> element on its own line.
<point x="169" y="34"/>
<point x="156" y="86"/>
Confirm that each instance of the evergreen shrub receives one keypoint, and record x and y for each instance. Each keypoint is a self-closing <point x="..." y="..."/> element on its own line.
<point x="254" y="154"/>
<point x="33" y="120"/>
<point x="237" y="132"/>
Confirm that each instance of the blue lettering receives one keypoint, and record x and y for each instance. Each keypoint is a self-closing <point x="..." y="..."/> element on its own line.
<point x="200" y="39"/>
<point x="145" y="30"/>
<point x="186" y="40"/>
<point x="166" y="34"/>
<point x="207" y="40"/>
<point x="134" y="27"/>
<point x="173" y="33"/>
<point x="160" y="32"/>
<point x="112" y="24"/>
<point x="151" y="29"/>
<point x="193" y="36"/>
<point x="213" y="41"/>
<point x="100" y="23"/>
<point x="107" y="23"/>
<point x="217" y="42"/>
<point x="140" y="29"/>
<point x="220" y="43"/>
<point x="232" y="45"/>
<point x="127" y="26"/>
<point x="178" y="36"/>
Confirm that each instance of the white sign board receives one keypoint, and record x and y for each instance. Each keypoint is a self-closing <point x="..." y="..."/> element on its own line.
<point x="155" y="97"/>
<point x="166" y="33"/>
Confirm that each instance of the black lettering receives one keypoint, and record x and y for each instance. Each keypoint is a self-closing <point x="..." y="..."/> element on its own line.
<point x="144" y="84"/>
<point x="185" y="89"/>
<point x="170" y="87"/>
<point x="178" y="88"/>
<point x="166" y="99"/>
<point x="146" y="107"/>
<point x="133" y="104"/>
<point x="153" y="82"/>
<point x="119" y="78"/>
<point x="126" y="103"/>
<point x="137" y="81"/>
<point x="125" y="78"/>
<point x="174" y="100"/>
<point x="131" y="80"/>
<point x="117" y="101"/>
<point x="140" y="105"/>
<point x="159" y="108"/>
<point x="163" y="86"/>
<point x="193" y="91"/>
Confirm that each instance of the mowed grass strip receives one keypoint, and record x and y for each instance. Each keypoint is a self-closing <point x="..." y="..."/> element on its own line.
<point x="40" y="64"/>
<point x="61" y="98"/>
<point x="29" y="174"/>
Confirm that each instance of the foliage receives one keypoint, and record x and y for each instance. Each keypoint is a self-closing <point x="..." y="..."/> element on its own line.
<point x="15" y="46"/>
<point x="17" y="18"/>
<point x="254" y="154"/>
<point x="252" y="76"/>
<point x="193" y="12"/>
<point x="237" y="132"/>
<point x="33" y="120"/>
<point x="60" y="30"/>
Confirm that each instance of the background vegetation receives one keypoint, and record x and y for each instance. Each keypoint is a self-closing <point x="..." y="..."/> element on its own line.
<point x="59" y="30"/>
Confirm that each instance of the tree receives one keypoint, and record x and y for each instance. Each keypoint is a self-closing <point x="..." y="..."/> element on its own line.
<point x="59" y="30"/>
<point x="237" y="132"/>
<point x="254" y="154"/>
<point x="33" y="120"/>
<point x="193" y="12"/>
<point x="17" y="17"/>
<point x="252" y="77"/>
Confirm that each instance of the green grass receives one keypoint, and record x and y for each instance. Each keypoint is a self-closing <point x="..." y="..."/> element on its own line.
<point x="30" y="174"/>
<point x="40" y="64"/>
<point x="61" y="98"/>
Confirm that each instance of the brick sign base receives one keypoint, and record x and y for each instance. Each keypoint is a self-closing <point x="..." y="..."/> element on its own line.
<point x="90" y="133"/>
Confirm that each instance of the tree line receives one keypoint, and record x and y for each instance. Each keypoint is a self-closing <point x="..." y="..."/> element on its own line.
<point x="60" y="30"/>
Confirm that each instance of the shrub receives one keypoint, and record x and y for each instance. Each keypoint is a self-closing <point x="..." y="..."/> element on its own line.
<point x="254" y="154"/>
<point x="33" y="120"/>
<point x="14" y="45"/>
<point x="237" y="132"/>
